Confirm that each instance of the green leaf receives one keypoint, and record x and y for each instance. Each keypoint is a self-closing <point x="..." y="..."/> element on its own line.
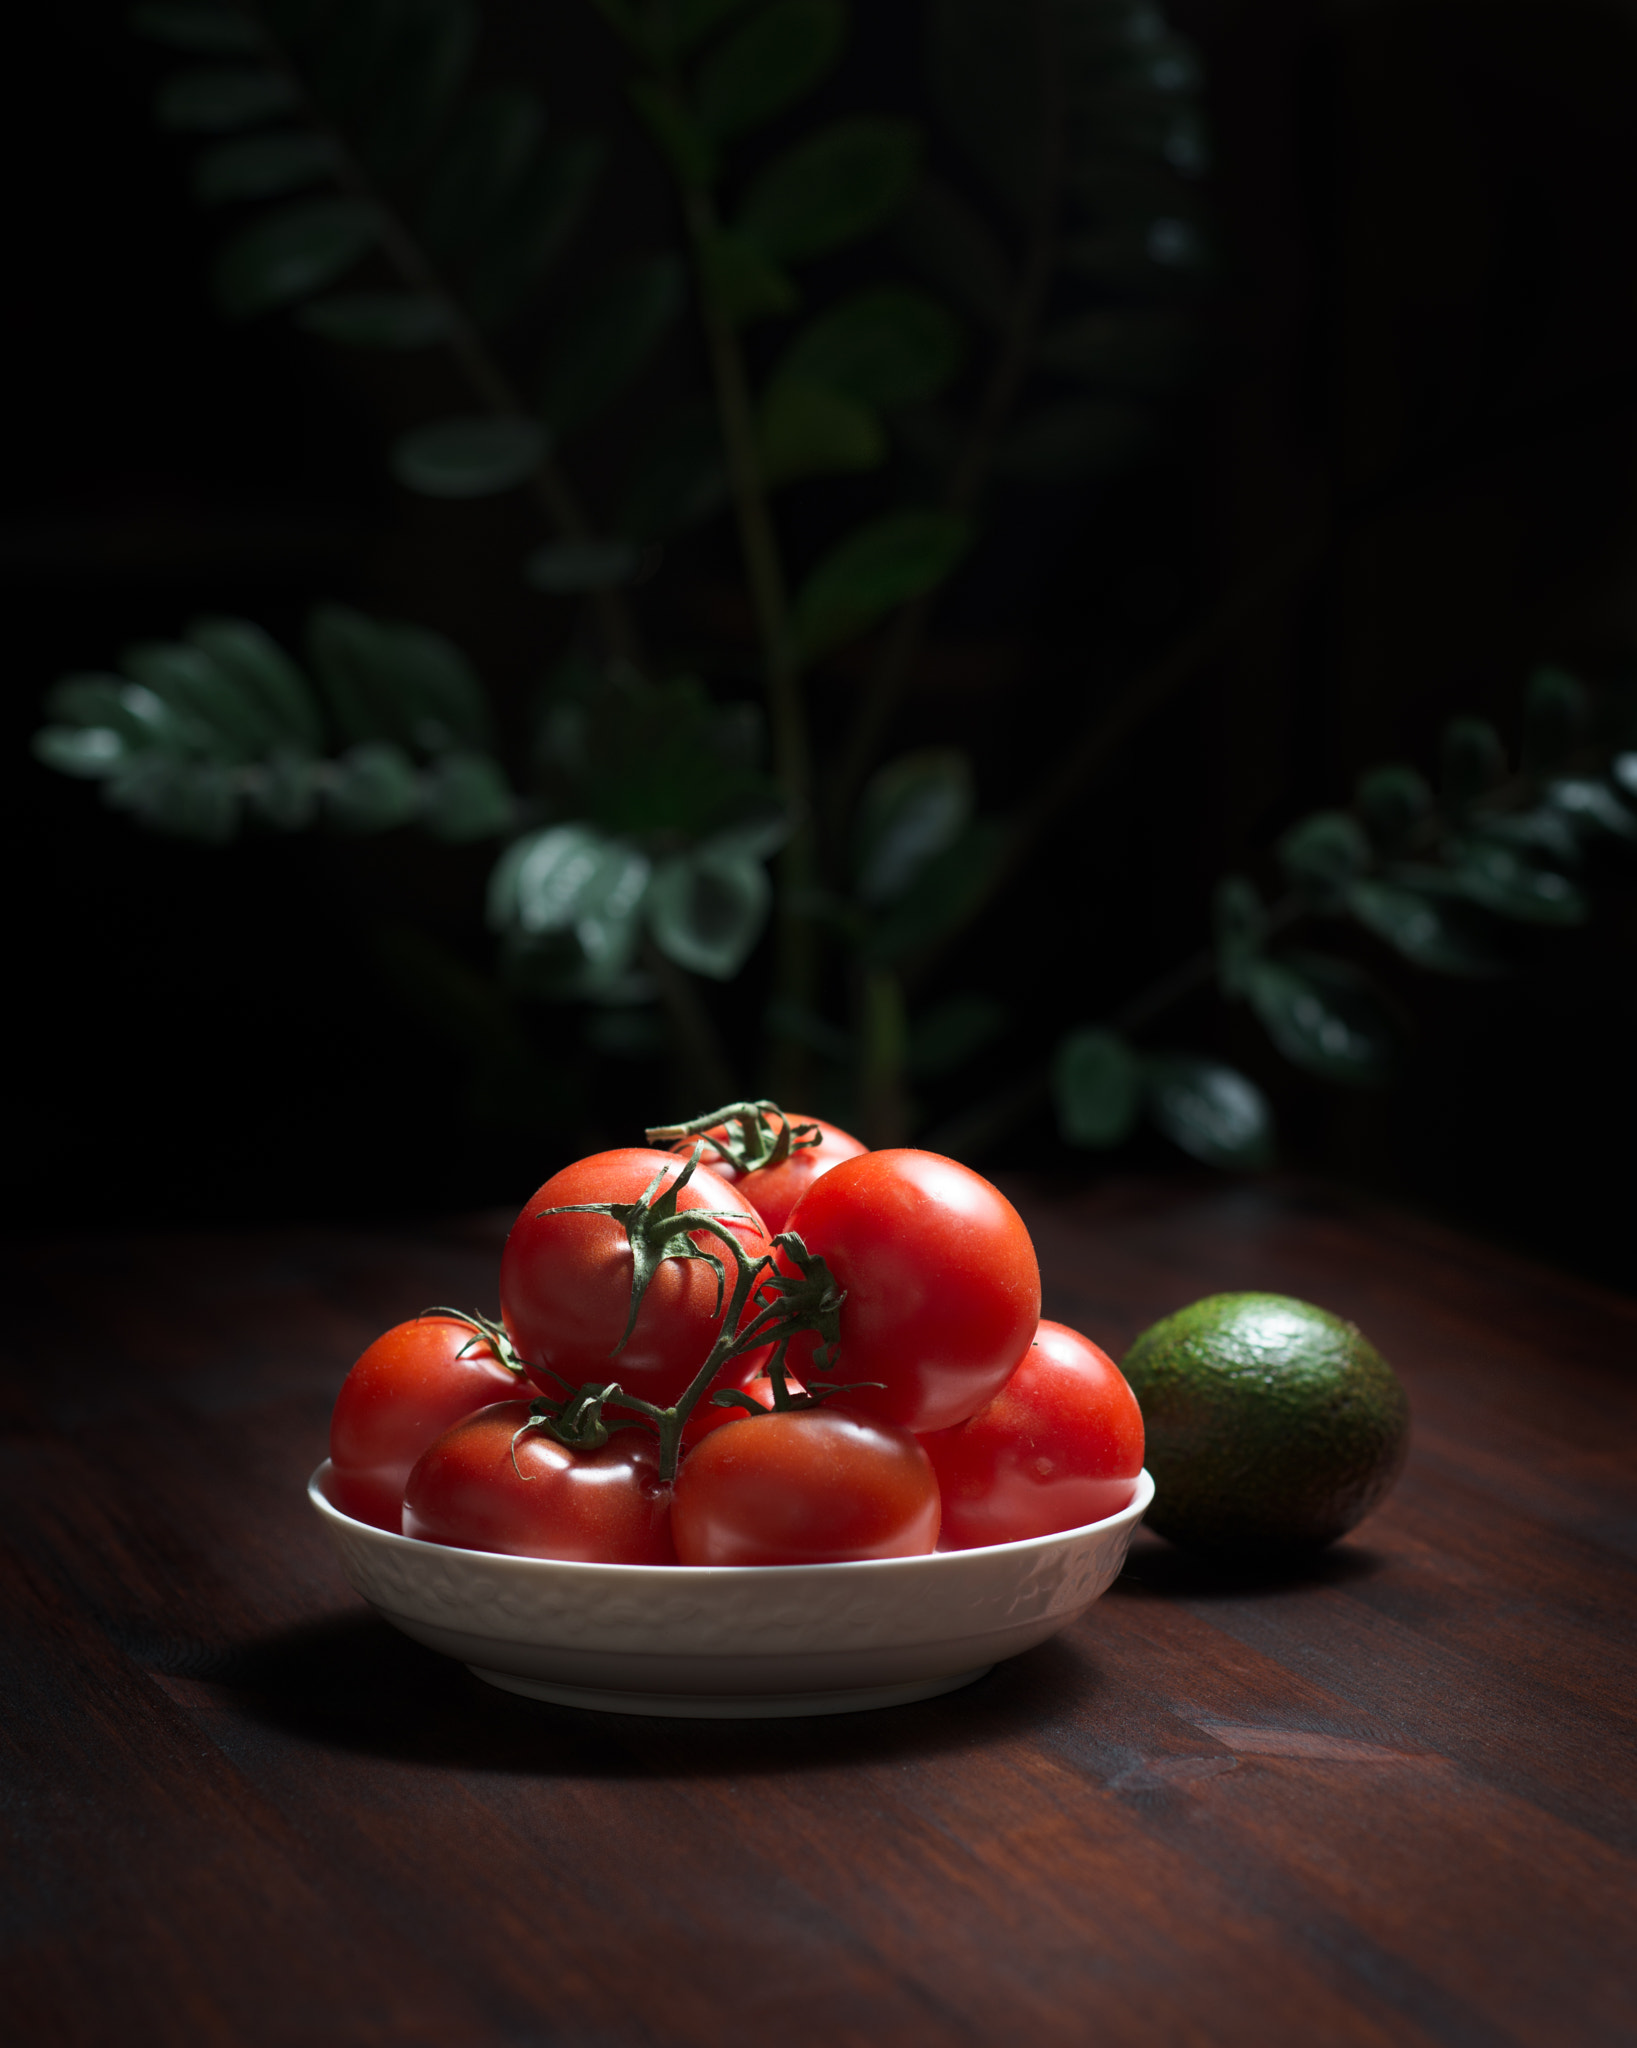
<point x="420" y="56"/>
<point x="1070" y="438"/>
<point x="224" y="97"/>
<point x="139" y="717"/>
<point x="533" y="225"/>
<point x="287" y="254"/>
<point x="707" y="909"/>
<point x="680" y="139"/>
<point x="263" y="167"/>
<point x="396" y="320"/>
<point x="571" y="881"/>
<point x="990" y="66"/>
<point x="283" y="790"/>
<point x="1556" y="708"/>
<point x="739" y="281"/>
<point x="1504" y="879"/>
<point x="608" y="339"/>
<point x="1395" y="803"/>
<point x="943" y="1038"/>
<point x="265" y="676"/>
<point x="564" y="567"/>
<point x="1474" y="760"/>
<point x="913" y="809"/>
<point x="204" y="30"/>
<point x="87" y="751"/>
<point x="1097" y="1088"/>
<point x="469" y="458"/>
<point x="1213" y="1112"/>
<point x="398" y="682"/>
<point x="373" y="788"/>
<point x="885" y="348"/>
<point x="947" y="891"/>
<point x="676" y="25"/>
<point x="781" y="52"/>
<point x="875" y="569"/>
<point x="1240" y="923"/>
<point x="225" y="723"/>
<point x="1325" y="1016"/>
<point x="1587" y="801"/>
<point x="952" y="246"/>
<point x="184" y="799"/>
<point x="491" y="148"/>
<point x="1323" y="854"/>
<point x="680" y="479"/>
<point x="1431" y="928"/>
<point x="829" y="189"/>
<point x="1624" y="770"/>
<point x="804" y="429"/>
<point x="466" y="797"/>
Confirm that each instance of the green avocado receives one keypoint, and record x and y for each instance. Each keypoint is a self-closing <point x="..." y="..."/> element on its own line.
<point x="1272" y="1426"/>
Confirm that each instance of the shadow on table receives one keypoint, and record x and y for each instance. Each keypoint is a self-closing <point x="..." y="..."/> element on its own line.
<point x="352" y="1682"/>
<point x="1156" y="1568"/>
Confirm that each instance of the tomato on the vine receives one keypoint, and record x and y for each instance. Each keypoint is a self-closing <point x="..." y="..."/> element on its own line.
<point x="482" y="1486"/>
<point x="805" y="1486"/>
<point x="566" y="1280"/>
<point x="413" y="1383"/>
<point x="942" y="1286"/>
<point x="773" y="1191"/>
<point x="1060" y="1445"/>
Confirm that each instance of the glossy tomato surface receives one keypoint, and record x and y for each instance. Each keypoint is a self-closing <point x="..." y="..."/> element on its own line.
<point x="943" y="1288"/>
<point x="411" y="1385"/>
<point x="1060" y="1445"/>
<point x="773" y="1191"/>
<point x="809" y="1486"/>
<point x="607" y="1506"/>
<point x="565" y="1283"/>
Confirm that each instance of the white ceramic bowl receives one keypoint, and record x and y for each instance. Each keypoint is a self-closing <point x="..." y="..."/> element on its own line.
<point x="732" y="1641"/>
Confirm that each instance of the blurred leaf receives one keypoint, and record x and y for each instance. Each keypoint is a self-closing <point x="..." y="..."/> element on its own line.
<point x="533" y="225"/>
<point x="263" y="166"/>
<point x="608" y="338"/>
<point x="912" y="810"/>
<point x="1507" y="881"/>
<point x="1240" y="923"/>
<point x="224" y="97"/>
<point x="1325" y="1016"/>
<point x="1556" y="707"/>
<point x="947" y="890"/>
<point x="414" y="72"/>
<point x="266" y="676"/>
<point x="1542" y="834"/>
<point x="680" y="139"/>
<point x="1213" y="1112"/>
<point x="1395" y="802"/>
<point x="87" y="751"/>
<point x="207" y="31"/>
<point x="755" y="837"/>
<point x="679" y="24"/>
<point x="469" y="458"/>
<point x="885" y="348"/>
<point x="740" y="282"/>
<point x="1432" y="929"/>
<point x="398" y="682"/>
<point x="875" y="569"/>
<point x="135" y="713"/>
<point x="1322" y="855"/>
<point x="397" y="320"/>
<point x="804" y="429"/>
<point x="563" y="567"/>
<point x="989" y="64"/>
<point x="1097" y="1087"/>
<point x="283" y="791"/>
<point x="1586" y="800"/>
<point x="1474" y="760"/>
<point x="373" y="788"/>
<point x="769" y="61"/>
<point x="953" y="247"/>
<point x="465" y="797"/>
<point x="707" y="909"/>
<point x="289" y="253"/>
<point x="1624" y="771"/>
<point x="943" y="1038"/>
<point x="227" y="724"/>
<point x="184" y="799"/>
<point x="829" y="189"/>
<point x="490" y="147"/>
<point x="1069" y="438"/>
<point x="680" y="479"/>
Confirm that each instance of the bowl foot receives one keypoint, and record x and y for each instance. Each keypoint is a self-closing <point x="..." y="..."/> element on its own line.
<point x="711" y="1706"/>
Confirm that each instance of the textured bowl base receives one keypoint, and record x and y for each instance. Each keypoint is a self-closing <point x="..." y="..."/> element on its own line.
<point x="711" y="1706"/>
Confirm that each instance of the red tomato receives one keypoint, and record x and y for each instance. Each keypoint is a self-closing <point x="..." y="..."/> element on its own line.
<point x="607" y="1506"/>
<point x="1060" y="1445"/>
<point x="565" y="1283"/>
<point x="707" y="1416"/>
<point x="773" y="1191"/>
<point x="943" y="1289"/>
<point x="408" y="1388"/>
<point x="809" y="1486"/>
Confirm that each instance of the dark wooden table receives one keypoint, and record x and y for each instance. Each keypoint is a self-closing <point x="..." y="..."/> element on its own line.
<point x="1393" y="1801"/>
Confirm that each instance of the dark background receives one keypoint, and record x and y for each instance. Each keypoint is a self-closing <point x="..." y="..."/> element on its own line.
<point x="1420" y="364"/>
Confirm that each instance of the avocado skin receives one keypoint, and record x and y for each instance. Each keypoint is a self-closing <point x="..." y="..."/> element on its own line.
<point x="1272" y="1426"/>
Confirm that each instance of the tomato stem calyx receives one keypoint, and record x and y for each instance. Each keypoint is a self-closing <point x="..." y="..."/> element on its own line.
<point x="756" y="1134"/>
<point x="485" y="1333"/>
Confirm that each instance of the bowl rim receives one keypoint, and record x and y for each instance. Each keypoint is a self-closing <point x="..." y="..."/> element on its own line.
<point x="760" y="1574"/>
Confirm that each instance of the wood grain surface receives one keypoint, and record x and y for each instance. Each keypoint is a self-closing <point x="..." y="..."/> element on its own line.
<point x="1393" y="1801"/>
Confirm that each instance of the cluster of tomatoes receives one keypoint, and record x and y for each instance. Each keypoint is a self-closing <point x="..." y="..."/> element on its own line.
<point x="751" y="1342"/>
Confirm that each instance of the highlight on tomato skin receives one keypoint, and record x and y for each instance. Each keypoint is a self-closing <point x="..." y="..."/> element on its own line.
<point x="414" y="1382"/>
<point x="805" y="1486"/>
<point x="1059" y="1446"/>
<point x="773" y="1191"/>
<point x="482" y="1486"/>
